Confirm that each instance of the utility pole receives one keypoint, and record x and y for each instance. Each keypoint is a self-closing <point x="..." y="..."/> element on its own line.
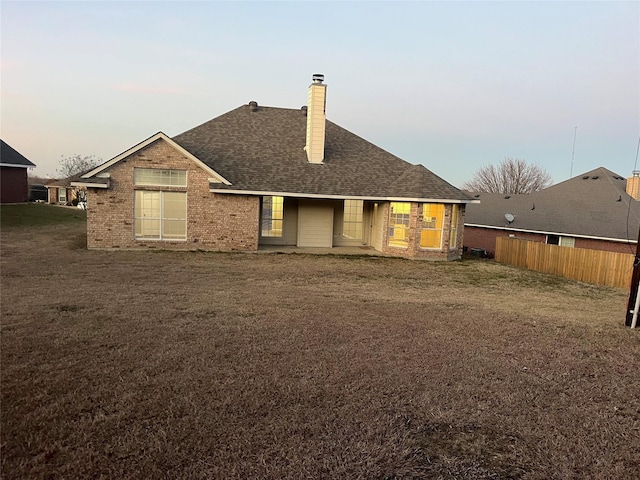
<point x="633" y="290"/>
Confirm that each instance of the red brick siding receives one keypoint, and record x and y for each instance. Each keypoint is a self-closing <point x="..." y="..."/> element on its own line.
<point x="14" y="187"/>
<point x="485" y="238"/>
<point x="214" y="221"/>
<point x="618" y="247"/>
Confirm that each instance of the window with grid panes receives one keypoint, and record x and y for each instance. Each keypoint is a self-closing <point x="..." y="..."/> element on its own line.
<point x="160" y="214"/>
<point x="432" y="219"/>
<point x="399" y="214"/>
<point x="352" y="219"/>
<point x="272" y="216"/>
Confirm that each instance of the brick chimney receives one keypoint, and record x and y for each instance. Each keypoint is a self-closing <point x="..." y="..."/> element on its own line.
<point x="633" y="185"/>
<point x="316" y="119"/>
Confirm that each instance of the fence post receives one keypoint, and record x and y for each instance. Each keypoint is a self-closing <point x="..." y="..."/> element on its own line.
<point x="633" y="289"/>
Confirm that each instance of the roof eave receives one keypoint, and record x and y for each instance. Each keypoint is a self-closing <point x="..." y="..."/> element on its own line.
<point x="17" y="165"/>
<point x="544" y="232"/>
<point x="149" y="141"/>
<point x="90" y="184"/>
<point x="339" y="197"/>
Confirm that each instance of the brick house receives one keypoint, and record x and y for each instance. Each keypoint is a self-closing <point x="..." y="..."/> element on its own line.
<point x="258" y="176"/>
<point x="597" y="210"/>
<point x="14" y="186"/>
<point x="60" y="191"/>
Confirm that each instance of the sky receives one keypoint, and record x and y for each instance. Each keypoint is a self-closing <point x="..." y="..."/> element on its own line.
<point x="451" y="85"/>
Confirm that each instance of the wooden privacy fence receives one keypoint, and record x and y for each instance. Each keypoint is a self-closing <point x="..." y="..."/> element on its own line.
<point x="591" y="266"/>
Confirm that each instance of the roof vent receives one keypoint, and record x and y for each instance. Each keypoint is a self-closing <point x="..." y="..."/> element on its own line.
<point x="304" y="110"/>
<point x="595" y="177"/>
<point x="317" y="78"/>
<point x="586" y="177"/>
<point x="253" y="106"/>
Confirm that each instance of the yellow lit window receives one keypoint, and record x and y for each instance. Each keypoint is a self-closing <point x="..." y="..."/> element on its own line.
<point x="272" y="216"/>
<point x="432" y="218"/>
<point x="399" y="224"/>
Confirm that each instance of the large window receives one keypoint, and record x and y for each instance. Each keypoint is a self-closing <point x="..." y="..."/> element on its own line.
<point x="432" y="219"/>
<point x="62" y="195"/>
<point x="272" y="216"/>
<point x="352" y="220"/>
<point x="399" y="224"/>
<point x="159" y="177"/>
<point x="453" y="235"/>
<point x="160" y="215"/>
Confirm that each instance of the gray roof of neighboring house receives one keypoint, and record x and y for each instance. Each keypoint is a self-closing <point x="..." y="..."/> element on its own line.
<point x="261" y="150"/>
<point x="9" y="156"/>
<point x="594" y="204"/>
<point x="59" y="182"/>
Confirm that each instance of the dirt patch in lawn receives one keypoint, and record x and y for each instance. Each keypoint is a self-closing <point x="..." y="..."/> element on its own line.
<point x="202" y="365"/>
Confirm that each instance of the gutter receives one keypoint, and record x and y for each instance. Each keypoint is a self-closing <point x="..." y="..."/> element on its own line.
<point x="338" y="197"/>
<point x="562" y="234"/>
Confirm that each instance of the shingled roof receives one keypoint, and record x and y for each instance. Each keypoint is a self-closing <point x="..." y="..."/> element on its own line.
<point x="261" y="150"/>
<point x="593" y="204"/>
<point x="10" y="157"/>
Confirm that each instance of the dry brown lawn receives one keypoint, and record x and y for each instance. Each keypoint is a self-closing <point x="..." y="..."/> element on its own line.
<point x="232" y="366"/>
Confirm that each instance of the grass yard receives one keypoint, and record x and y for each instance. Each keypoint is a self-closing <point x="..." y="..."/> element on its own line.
<point x="234" y="366"/>
<point x="39" y="214"/>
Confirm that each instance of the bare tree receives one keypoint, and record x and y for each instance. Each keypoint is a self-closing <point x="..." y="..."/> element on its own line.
<point x="76" y="164"/>
<point x="512" y="175"/>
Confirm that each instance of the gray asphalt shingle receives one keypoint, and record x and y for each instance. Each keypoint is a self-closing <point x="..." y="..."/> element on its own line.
<point x="262" y="150"/>
<point x="593" y="204"/>
<point x="10" y="156"/>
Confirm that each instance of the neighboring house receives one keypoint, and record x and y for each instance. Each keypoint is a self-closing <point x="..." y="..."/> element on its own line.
<point x="14" y="187"/>
<point x="597" y="210"/>
<point x="258" y="176"/>
<point x="61" y="192"/>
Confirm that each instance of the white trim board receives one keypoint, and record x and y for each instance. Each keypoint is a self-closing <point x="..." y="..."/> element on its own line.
<point x="337" y="197"/>
<point x="149" y="141"/>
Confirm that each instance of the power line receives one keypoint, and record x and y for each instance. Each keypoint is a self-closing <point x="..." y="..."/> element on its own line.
<point x="573" y="150"/>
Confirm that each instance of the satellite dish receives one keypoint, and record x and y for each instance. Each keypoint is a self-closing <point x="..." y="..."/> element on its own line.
<point x="510" y="218"/>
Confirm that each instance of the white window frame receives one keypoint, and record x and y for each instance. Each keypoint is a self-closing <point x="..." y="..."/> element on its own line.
<point x="160" y="218"/>
<point x="352" y="219"/>
<point x="159" y="177"/>
<point x="271" y="219"/>
<point x="453" y="233"/>
<point x="563" y="241"/>
<point x="440" y="230"/>
<point x="62" y="195"/>
<point x="394" y="218"/>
